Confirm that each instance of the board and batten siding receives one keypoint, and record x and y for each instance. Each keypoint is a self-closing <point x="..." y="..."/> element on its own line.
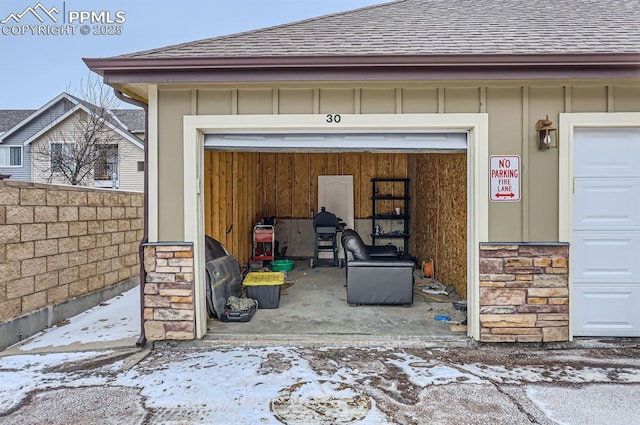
<point x="513" y="109"/>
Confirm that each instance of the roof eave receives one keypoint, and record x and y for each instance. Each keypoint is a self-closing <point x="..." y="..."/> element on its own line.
<point x="368" y="67"/>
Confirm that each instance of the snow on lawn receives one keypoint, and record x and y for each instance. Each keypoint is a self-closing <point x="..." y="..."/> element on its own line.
<point x="115" y="319"/>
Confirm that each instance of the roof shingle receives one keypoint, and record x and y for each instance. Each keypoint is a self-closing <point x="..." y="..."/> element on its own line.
<point x="132" y="118"/>
<point x="10" y="117"/>
<point x="438" y="27"/>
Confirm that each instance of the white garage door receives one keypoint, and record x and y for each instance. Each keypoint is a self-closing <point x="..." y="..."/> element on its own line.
<point x="606" y="232"/>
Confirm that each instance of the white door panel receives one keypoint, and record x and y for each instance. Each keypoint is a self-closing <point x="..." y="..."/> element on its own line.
<point x="607" y="204"/>
<point x="335" y="193"/>
<point x="610" y="311"/>
<point x="606" y="152"/>
<point x="606" y="258"/>
<point x="605" y="250"/>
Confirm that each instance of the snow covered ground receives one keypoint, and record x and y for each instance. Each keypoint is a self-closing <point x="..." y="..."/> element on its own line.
<point x="117" y="319"/>
<point x="57" y="377"/>
<point x="26" y="373"/>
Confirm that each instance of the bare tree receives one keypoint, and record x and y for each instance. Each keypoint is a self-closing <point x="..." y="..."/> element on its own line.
<point x="82" y="147"/>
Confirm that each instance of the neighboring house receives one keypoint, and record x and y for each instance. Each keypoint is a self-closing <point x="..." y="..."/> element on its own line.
<point x="542" y="238"/>
<point x="23" y="133"/>
<point x="15" y="158"/>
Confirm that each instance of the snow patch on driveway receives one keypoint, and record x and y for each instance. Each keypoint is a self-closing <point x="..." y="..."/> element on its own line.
<point x="592" y="404"/>
<point x="423" y="374"/>
<point x="566" y="374"/>
<point x="21" y="375"/>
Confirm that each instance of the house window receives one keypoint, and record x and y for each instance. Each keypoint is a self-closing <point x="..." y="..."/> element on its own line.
<point x="106" y="166"/>
<point x="10" y="156"/>
<point x="61" y="153"/>
<point x="140" y="165"/>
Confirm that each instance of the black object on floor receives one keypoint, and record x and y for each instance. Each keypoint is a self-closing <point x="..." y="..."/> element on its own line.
<point x="238" y="316"/>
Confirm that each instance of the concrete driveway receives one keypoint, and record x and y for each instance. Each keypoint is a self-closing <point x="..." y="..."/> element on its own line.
<point x="107" y="380"/>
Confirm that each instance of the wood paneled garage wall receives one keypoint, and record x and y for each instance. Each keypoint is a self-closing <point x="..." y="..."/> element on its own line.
<point x="439" y="229"/>
<point x="243" y="187"/>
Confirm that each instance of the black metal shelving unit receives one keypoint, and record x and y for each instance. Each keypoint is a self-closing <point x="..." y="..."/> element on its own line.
<point x="385" y="214"/>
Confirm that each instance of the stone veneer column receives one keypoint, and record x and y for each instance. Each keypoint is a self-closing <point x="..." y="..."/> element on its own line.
<point x="524" y="292"/>
<point x="169" y="309"/>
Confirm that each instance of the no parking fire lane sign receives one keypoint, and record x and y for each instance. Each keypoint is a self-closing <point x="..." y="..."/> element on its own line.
<point x="504" y="175"/>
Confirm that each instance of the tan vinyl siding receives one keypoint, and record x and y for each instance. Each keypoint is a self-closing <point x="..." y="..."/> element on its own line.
<point x="513" y="109"/>
<point x="378" y="101"/>
<point x="130" y="178"/>
<point x="506" y="139"/>
<point x="419" y="101"/>
<point x="62" y="133"/>
<point x="295" y="101"/>
<point x="252" y="102"/>
<point x="542" y="175"/>
<point x="172" y="106"/>
<point x="215" y="102"/>
<point x="626" y="99"/>
<point x="461" y="100"/>
<point x="338" y="101"/>
<point x="588" y="99"/>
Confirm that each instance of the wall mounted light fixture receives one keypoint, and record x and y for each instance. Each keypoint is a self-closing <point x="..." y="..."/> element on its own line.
<point x="547" y="137"/>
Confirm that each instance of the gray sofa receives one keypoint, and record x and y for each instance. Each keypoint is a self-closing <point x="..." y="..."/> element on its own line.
<point x="375" y="275"/>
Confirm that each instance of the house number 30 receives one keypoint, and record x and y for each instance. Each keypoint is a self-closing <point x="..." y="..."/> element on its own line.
<point x="334" y="118"/>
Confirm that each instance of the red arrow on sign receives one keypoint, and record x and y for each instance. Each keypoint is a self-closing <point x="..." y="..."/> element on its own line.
<point x="505" y="195"/>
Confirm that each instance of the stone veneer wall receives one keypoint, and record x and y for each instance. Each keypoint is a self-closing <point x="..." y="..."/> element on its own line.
<point x="169" y="308"/>
<point x="524" y="292"/>
<point x="61" y="242"/>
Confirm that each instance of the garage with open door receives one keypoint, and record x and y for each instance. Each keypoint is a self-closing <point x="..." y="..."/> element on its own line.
<point x="278" y="175"/>
<point x="515" y="99"/>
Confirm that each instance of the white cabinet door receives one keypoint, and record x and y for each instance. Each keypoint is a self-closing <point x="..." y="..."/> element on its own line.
<point x="605" y="254"/>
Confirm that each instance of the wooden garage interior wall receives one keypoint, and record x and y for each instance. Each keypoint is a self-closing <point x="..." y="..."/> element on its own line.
<point x="243" y="187"/>
<point x="439" y="231"/>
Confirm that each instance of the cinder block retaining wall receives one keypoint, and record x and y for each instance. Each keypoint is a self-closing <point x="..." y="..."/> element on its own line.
<point x="524" y="292"/>
<point x="61" y="242"/>
<point x="169" y="308"/>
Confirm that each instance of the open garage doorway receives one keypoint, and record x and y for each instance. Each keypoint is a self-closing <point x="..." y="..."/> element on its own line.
<point x="420" y="155"/>
<point x="284" y="185"/>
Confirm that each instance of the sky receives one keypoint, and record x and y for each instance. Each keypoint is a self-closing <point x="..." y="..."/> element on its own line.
<point x="36" y="68"/>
